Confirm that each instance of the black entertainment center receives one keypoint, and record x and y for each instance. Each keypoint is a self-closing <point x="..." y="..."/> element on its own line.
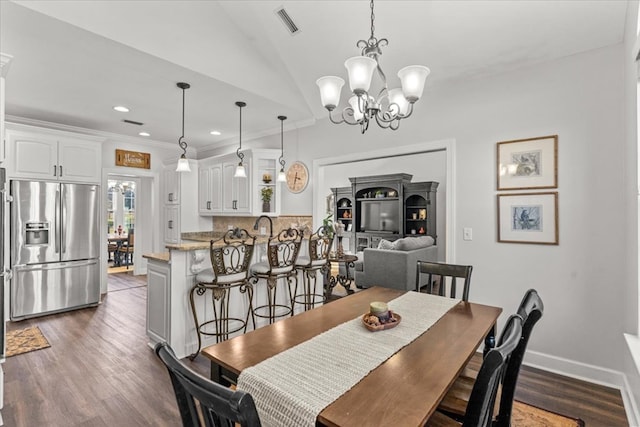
<point x="385" y="207"/>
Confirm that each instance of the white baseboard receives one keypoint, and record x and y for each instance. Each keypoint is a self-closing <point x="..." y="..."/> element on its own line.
<point x="590" y="373"/>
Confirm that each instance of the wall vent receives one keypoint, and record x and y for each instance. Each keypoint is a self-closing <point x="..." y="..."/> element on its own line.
<point x="131" y="122"/>
<point x="287" y="21"/>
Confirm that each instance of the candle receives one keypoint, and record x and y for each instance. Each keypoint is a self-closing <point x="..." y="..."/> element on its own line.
<point x="379" y="309"/>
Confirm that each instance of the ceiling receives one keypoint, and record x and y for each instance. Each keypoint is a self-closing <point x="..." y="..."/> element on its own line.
<point x="75" y="60"/>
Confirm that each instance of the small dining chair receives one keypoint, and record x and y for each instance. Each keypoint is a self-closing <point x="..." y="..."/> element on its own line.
<point x="479" y="409"/>
<point x="531" y="310"/>
<point x="203" y="402"/>
<point x="438" y="272"/>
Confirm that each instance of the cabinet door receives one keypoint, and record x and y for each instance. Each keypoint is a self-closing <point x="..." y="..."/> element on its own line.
<point x="228" y="196"/>
<point x="204" y="191"/>
<point x="33" y="156"/>
<point x="171" y="224"/>
<point x="216" y="188"/>
<point x="3" y="147"/>
<point x="79" y="160"/>
<point x="171" y="186"/>
<point x="158" y="302"/>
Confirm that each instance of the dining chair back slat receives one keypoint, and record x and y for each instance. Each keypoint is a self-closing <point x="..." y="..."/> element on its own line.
<point x="203" y="402"/>
<point x="440" y="272"/>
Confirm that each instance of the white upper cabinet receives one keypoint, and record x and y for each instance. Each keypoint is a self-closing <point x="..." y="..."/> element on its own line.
<point x="220" y="193"/>
<point x="171" y="193"/>
<point x="51" y="156"/>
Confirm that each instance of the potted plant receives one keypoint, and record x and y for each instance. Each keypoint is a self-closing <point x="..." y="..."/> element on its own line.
<point x="265" y="194"/>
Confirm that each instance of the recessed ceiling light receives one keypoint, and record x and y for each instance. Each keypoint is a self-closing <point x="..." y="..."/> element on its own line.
<point x="144" y="134"/>
<point x="215" y="132"/>
<point x="121" y="108"/>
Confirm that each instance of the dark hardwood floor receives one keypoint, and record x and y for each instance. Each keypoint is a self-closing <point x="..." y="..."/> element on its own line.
<point x="99" y="371"/>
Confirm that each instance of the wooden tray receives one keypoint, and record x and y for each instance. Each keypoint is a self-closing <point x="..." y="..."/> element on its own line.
<point x="384" y="326"/>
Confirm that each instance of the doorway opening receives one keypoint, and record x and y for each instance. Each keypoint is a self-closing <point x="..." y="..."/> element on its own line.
<point x="121" y="220"/>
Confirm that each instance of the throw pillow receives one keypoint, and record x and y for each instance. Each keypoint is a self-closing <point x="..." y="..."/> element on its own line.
<point x="385" y="244"/>
<point x="413" y="243"/>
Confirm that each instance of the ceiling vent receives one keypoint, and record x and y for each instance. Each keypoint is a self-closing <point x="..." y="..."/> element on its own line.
<point x="131" y="122"/>
<point x="287" y="21"/>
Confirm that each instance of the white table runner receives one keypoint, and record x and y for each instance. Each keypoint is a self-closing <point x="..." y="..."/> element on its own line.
<point x="291" y="388"/>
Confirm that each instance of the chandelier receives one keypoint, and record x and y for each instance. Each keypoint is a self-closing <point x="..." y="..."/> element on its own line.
<point x="390" y="106"/>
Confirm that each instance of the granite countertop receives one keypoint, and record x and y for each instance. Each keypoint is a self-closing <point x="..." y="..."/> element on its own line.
<point x="160" y="256"/>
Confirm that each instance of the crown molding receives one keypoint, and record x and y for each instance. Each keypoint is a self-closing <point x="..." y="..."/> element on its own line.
<point x="87" y="132"/>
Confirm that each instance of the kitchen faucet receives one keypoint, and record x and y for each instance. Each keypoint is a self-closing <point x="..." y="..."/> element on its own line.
<point x="255" y="226"/>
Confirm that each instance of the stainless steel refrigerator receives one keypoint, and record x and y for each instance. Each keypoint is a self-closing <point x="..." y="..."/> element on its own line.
<point x="54" y="247"/>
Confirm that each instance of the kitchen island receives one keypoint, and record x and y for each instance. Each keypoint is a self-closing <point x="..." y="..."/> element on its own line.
<point x="170" y="277"/>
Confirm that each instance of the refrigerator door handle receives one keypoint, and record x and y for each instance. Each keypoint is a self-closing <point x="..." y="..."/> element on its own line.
<point x="63" y="221"/>
<point x="57" y="220"/>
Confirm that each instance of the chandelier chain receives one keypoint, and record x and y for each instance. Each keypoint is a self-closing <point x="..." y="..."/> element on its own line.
<point x="373" y="17"/>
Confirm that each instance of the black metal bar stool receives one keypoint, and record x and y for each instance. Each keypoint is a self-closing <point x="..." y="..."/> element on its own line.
<point x="318" y="260"/>
<point x="230" y="258"/>
<point x="282" y="253"/>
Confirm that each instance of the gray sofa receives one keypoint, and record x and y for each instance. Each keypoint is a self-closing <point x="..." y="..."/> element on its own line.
<point x="393" y="264"/>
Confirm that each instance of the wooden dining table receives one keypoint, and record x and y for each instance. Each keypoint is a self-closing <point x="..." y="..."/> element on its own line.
<point x="404" y="390"/>
<point x="119" y="240"/>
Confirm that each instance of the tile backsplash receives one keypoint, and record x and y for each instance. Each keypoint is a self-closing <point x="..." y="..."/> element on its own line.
<point x="220" y="225"/>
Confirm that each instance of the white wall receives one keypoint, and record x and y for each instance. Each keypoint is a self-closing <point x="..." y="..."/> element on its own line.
<point x="580" y="98"/>
<point x="630" y="286"/>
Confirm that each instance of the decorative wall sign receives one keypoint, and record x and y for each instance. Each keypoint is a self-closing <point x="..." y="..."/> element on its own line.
<point x="528" y="218"/>
<point x="528" y="163"/>
<point x="133" y="159"/>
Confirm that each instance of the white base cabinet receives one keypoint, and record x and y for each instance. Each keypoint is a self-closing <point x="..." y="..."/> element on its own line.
<point x="158" y="286"/>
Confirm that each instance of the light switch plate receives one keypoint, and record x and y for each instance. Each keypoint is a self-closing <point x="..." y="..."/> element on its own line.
<point x="467" y="233"/>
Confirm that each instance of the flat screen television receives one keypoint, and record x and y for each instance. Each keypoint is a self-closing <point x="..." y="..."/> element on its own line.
<point x="379" y="216"/>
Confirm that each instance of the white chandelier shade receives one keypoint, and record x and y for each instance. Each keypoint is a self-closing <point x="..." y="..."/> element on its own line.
<point x="330" y="89"/>
<point x="360" y="70"/>
<point x="412" y="79"/>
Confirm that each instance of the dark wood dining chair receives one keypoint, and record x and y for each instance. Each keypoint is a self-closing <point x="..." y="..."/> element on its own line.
<point x="438" y="272"/>
<point x="530" y="309"/>
<point x="126" y="250"/>
<point x="316" y="261"/>
<point x="203" y="402"/>
<point x="479" y="409"/>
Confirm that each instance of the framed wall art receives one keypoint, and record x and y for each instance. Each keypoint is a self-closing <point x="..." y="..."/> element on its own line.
<point x="528" y="218"/>
<point x="525" y="164"/>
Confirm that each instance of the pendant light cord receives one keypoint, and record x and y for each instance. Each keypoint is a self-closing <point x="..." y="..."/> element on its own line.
<point x="281" y="160"/>
<point x="181" y="142"/>
<point x="240" y="155"/>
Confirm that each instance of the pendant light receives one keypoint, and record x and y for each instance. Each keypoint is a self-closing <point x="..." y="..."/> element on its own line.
<point x="282" y="177"/>
<point x="240" y="171"/>
<point x="183" y="163"/>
